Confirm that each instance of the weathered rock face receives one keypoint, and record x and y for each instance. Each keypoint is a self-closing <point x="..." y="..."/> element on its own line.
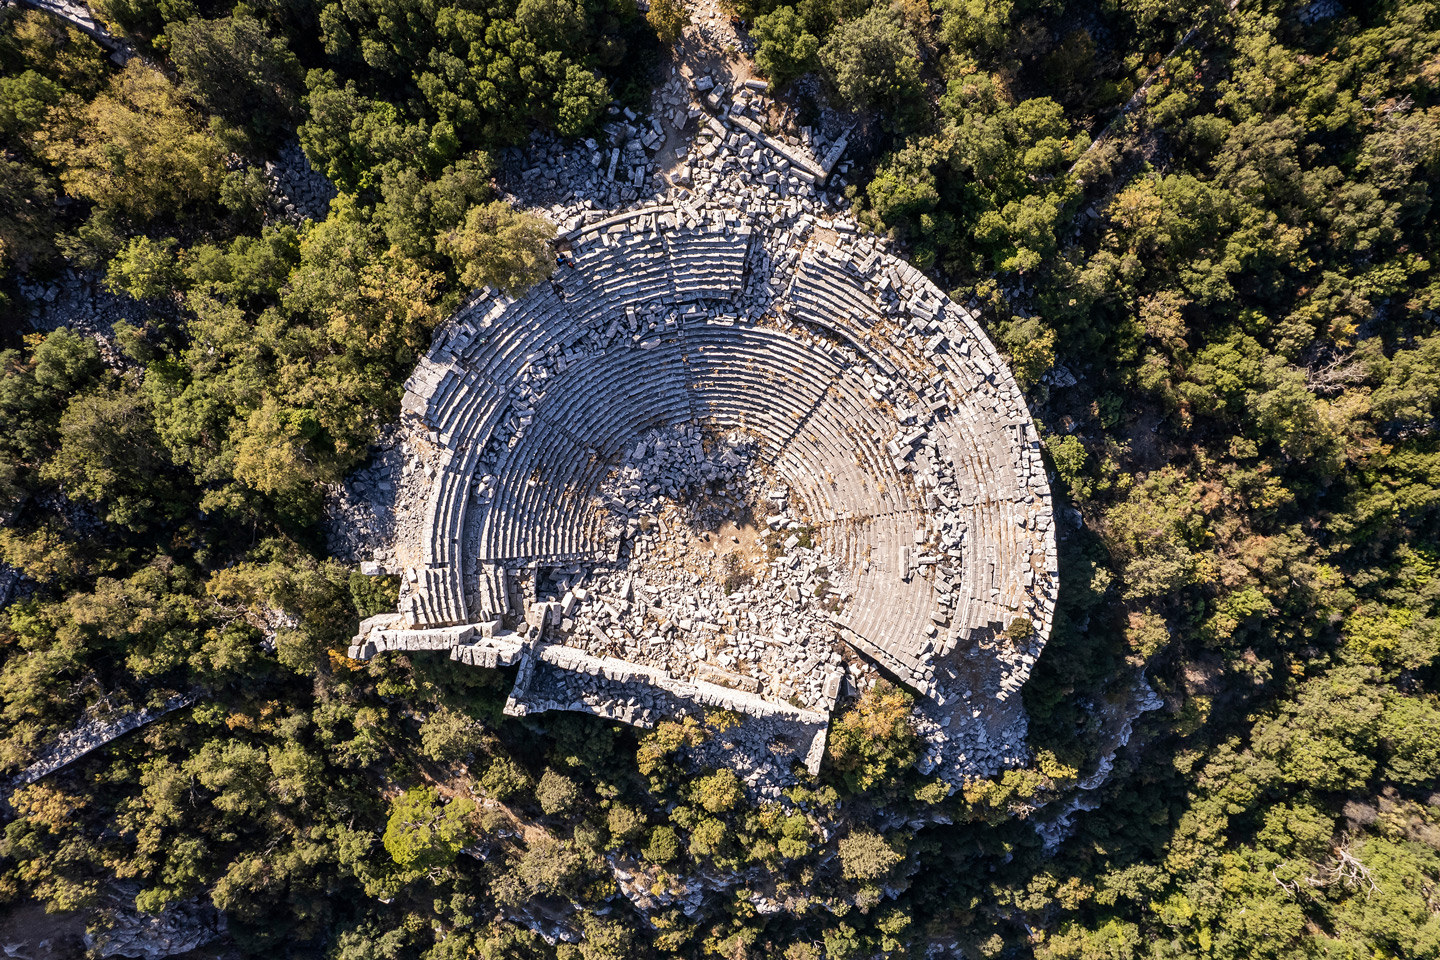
<point x="734" y="445"/>
<point x="178" y="929"/>
<point x="1117" y="722"/>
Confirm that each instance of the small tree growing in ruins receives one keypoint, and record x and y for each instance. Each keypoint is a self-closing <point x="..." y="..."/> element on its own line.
<point x="669" y="19"/>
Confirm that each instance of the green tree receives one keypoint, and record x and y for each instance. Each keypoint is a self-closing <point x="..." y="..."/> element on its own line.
<point x="719" y="792"/>
<point x="25" y="104"/>
<point x="842" y="942"/>
<point x="110" y="454"/>
<point x="546" y="867"/>
<point x="874" y="63"/>
<point x="708" y="838"/>
<point x="425" y="834"/>
<point x="144" y="269"/>
<point x="35" y="392"/>
<point x="234" y="68"/>
<point x="669" y="18"/>
<point x="663" y="845"/>
<point x="606" y="940"/>
<point x="556" y="793"/>
<point x="873" y="741"/>
<point x="784" y="49"/>
<point x="136" y="151"/>
<point x="27" y="223"/>
<point x="558" y="24"/>
<point x="416" y="211"/>
<point x="865" y="855"/>
<point x="500" y="247"/>
<point x="1410" y="730"/>
<point x="504" y="778"/>
<point x="904" y="187"/>
<point x="625" y="823"/>
<point x="448" y="736"/>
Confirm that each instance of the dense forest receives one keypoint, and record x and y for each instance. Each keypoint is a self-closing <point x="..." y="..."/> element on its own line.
<point x="1218" y="294"/>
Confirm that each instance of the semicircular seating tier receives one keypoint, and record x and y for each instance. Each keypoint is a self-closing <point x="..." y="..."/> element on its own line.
<point x="874" y="397"/>
<point x="876" y="400"/>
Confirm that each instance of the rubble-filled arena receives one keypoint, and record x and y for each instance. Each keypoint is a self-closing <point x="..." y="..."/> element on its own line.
<point x="733" y="456"/>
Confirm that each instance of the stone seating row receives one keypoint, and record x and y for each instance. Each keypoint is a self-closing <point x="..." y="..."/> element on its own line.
<point x="675" y="267"/>
<point x="512" y="527"/>
<point x="730" y="357"/>
<point x="834" y="462"/>
<point x="497" y="355"/>
<point x="589" y="416"/>
<point x="753" y="377"/>
<point x="821" y="292"/>
<point x="445" y="517"/>
<point x="837" y="299"/>
<point x="586" y="232"/>
<point x="621" y="392"/>
<point x="435" y="601"/>
<point x="998" y="477"/>
<point x="892" y="613"/>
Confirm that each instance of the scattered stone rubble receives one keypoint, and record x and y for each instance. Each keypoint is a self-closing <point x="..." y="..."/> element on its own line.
<point x="640" y="159"/>
<point x="362" y="513"/>
<point x="688" y="595"/>
<point x="1320" y="10"/>
<point x="713" y="27"/>
<point x="298" y="191"/>
<point x="78" y="299"/>
<point x="734" y="456"/>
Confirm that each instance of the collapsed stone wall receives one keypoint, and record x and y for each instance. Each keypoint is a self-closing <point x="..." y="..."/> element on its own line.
<point x="558" y="677"/>
<point x="93" y="734"/>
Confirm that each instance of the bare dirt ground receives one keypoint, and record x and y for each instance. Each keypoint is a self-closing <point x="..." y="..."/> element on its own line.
<point x="710" y="46"/>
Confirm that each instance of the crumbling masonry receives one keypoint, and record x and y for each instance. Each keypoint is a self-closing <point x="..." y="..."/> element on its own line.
<point x="734" y="456"/>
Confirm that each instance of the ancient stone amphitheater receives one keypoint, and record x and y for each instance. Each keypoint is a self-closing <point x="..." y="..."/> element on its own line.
<point x="735" y="457"/>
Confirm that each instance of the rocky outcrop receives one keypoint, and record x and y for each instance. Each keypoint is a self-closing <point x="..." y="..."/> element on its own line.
<point x="122" y="931"/>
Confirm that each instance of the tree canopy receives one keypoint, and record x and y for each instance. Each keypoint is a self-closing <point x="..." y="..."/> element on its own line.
<point x="1203" y="237"/>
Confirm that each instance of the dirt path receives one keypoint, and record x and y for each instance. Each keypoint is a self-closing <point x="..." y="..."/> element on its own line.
<point x="710" y="47"/>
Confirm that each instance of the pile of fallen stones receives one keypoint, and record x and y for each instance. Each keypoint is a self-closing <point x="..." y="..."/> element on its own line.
<point x="298" y="192"/>
<point x="79" y="300"/>
<point x="361" y="527"/>
<point x="633" y="163"/>
<point x="699" y="605"/>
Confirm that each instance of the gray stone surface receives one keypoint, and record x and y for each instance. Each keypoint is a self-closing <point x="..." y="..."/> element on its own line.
<point x="735" y="445"/>
<point x="178" y="929"/>
<point x="94" y="734"/>
<point x="298" y="191"/>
